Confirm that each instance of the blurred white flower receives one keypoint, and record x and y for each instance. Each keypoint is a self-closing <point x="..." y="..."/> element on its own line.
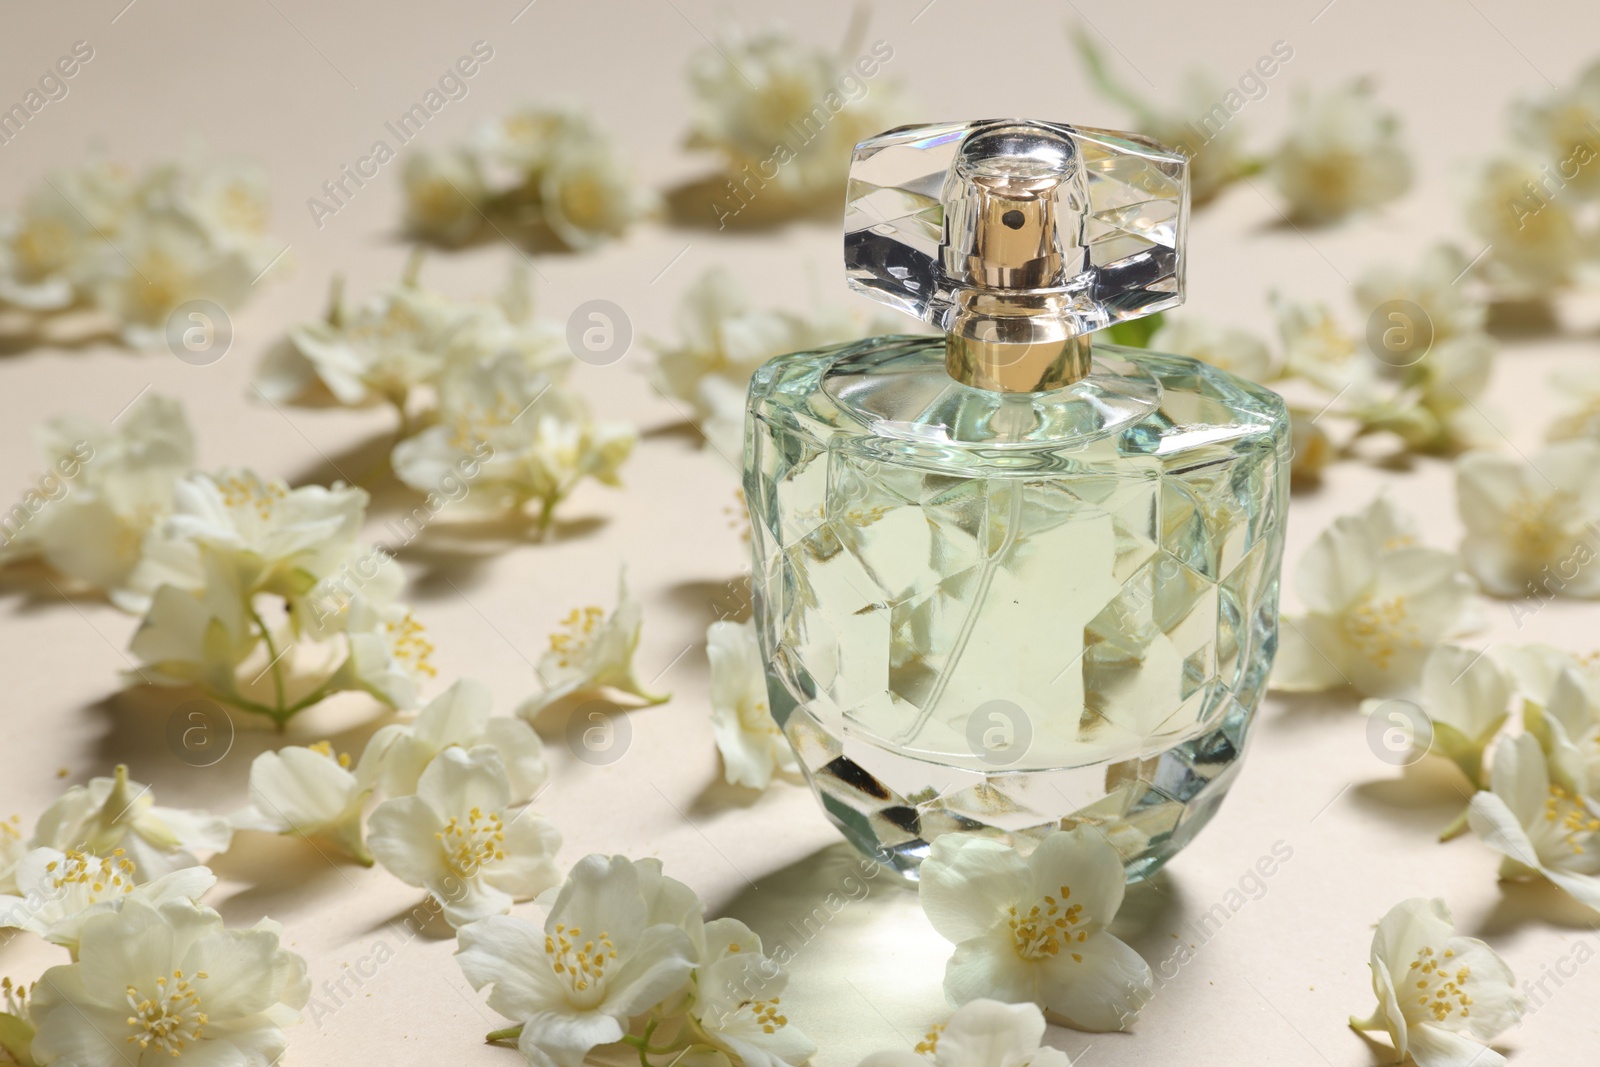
<point x="117" y="483"/>
<point x="1236" y="351"/>
<point x="722" y="339"/>
<point x="590" y="195"/>
<point x="1316" y="347"/>
<point x="169" y="981"/>
<point x="444" y="195"/>
<point x="516" y="436"/>
<point x="1215" y="150"/>
<point x="591" y="653"/>
<point x="1578" y="389"/>
<point x="1313" y="449"/>
<point x="52" y="248"/>
<point x="115" y="816"/>
<point x="138" y="247"/>
<point x="1441" y="998"/>
<point x="1450" y="309"/>
<point x="1538" y="813"/>
<point x="1563" y="128"/>
<point x="1034" y="928"/>
<point x="526" y="141"/>
<point x="403" y="339"/>
<point x="1531" y="526"/>
<point x="1344" y="153"/>
<point x="1376" y="604"/>
<point x="459" y="717"/>
<point x="789" y="112"/>
<point x="980" y="1033"/>
<point x="460" y="838"/>
<point x="604" y="955"/>
<point x="1534" y="241"/>
<point x="309" y="791"/>
<point x="13" y="846"/>
<point x="57" y="892"/>
<point x="752" y="746"/>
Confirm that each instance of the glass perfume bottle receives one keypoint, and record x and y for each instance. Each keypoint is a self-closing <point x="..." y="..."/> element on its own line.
<point x="1013" y="578"/>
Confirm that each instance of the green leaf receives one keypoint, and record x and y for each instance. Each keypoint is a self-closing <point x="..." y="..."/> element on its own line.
<point x="1134" y="333"/>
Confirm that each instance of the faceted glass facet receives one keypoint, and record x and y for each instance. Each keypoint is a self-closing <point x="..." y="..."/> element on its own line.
<point x="1118" y="208"/>
<point x="1009" y="613"/>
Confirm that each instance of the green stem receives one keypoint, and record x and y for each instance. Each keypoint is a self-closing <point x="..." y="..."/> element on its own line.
<point x="1457" y="827"/>
<point x="272" y="650"/>
<point x="547" y="513"/>
<point x="510" y="1033"/>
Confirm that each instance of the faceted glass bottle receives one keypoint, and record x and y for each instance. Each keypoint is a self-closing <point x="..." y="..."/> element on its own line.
<point x="1014" y="612"/>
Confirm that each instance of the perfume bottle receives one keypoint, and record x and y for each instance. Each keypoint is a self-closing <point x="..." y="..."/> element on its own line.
<point x="1015" y="578"/>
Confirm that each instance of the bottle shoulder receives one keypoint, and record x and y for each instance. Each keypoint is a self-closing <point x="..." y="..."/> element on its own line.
<point x="891" y="395"/>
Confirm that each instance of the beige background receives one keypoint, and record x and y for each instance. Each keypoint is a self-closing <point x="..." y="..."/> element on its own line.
<point x="306" y="88"/>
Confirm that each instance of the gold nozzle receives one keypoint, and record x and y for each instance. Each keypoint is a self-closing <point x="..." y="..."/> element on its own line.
<point x="1005" y="250"/>
<point x="1016" y="367"/>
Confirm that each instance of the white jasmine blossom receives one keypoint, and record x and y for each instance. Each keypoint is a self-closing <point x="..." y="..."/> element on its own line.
<point x="1231" y="349"/>
<point x="52" y="248"/>
<point x="444" y="196"/>
<point x="1441" y="997"/>
<point x="723" y="338"/>
<point x="309" y="791"/>
<point x="788" y="113"/>
<point x="600" y="959"/>
<point x="722" y="425"/>
<point x="198" y="230"/>
<point x="1578" y="390"/>
<point x="1531" y="526"/>
<point x="401" y="341"/>
<point x="1034" y="928"/>
<point x="1466" y="696"/>
<point x="1343" y="154"/>
<point x="1313" y="449"/>
<point x="1316" y="347"/>
<point x="169" y="981"/>
<point x="1376" y="604"/>
<point x="117" y="483"/>
<point x="589" y="195"/>
<point x="527" y="140"/>
<point x="980" y="1033"/>
<point x="460" y="838"/>
<point x="516" y="436"/>
<point x="1451" y="309"/>
<point x="13" y="846"/>
<point x="753" y="747"/>
<point x="591" y="653"/>
<point x="737" y="1005"/>
<point x="110" y="814"/>
<point x="1561" y="701"/>
<point x="388" y="654"/>
<point x="16" y="1023"/>
<point x="276" y="539"/>
<point x="57" y="892"/>
<point x="1563" y="128"/>
<point x="246" y="567"/>
<point x="1538" y="813"/>
<point x="1534" y="239"/>
<point x="1216" y="153"/>
<point x="459" y="717"/>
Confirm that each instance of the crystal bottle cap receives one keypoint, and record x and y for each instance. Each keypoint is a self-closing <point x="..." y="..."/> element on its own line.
<point x="1017" y="238"/>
